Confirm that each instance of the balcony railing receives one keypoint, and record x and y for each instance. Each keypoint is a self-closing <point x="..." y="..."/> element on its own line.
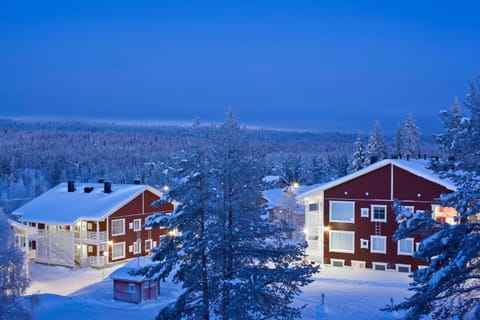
<point x="313" y="219"/>
<point x="91" y="235"/>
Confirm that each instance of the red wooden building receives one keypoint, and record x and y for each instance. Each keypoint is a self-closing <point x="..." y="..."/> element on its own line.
<point x="350" y="221"/>
<point x="92" y="224"/>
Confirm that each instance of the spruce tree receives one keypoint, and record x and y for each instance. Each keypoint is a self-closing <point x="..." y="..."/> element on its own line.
<point x="410" y="137"/>
<point x="450" y="287"/>
<point x="13" y="279"/>
<point x="398" y="142"/>
<point x="248" y="269"/>
<point x="376" y="149"/>
<point x="359" y="158"/>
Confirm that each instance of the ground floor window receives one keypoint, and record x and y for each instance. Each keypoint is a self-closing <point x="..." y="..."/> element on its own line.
<point x="358" y="264"/>
<point x="403" y="267"/>
<point x="379" y="266"/>
<point x="148" y="245"/>
<point x="337" y="262"/>
<point x="118" y="250"/>
<point x="405" y="247"/>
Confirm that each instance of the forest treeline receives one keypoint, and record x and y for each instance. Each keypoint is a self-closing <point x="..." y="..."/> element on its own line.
<point x="38" y="154"/>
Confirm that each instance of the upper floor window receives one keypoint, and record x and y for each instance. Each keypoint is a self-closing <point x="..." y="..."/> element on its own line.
<point x="342" y="211"/>
<point x="379" y="213"/>
<point x="118" y="227"/>
<point x="313" y="206"/>
<point x="137" y="224"/>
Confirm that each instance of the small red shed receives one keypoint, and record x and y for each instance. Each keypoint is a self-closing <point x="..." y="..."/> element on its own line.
<point x="134" y="289"/>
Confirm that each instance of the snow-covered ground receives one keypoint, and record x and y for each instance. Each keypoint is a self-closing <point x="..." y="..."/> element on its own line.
<point x="64" y="293"/>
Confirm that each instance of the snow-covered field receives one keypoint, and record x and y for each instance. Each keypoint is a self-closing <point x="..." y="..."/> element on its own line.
<point x="63" y="293"/>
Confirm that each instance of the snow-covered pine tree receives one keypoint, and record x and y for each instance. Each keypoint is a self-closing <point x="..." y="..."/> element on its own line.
<point x="13" y="280"/>
<point x="450" y="287"/>
<point x="261" y="272"/>
<point x="185" y="253"/>
<point x="359" y="157"/>
<point x="247" y="268"/>
<point x="376" y="149"/>
<point x="398" y="142"/>
<point x="410" y="137"/>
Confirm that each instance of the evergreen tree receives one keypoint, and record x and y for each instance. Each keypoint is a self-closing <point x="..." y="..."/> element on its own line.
<point x="410" y="137"/>
<point x="248" y="269"/>
<point x="359" y="159"/>
<point x="450" y="287"/>
<point x="376" y="149"/>
<point x="13" y="280"/>
<point x="398" y="142"/>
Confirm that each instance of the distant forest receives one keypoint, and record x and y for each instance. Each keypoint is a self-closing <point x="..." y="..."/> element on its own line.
<point x="37" y="154"/>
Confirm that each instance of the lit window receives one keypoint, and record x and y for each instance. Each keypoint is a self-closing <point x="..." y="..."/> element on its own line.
<point x="444" y="214"/>
<point x="379" y="213"/>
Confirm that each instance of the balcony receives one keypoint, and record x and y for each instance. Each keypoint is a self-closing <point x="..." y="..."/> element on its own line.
<point x="91" y="236"/>
<point x="313" y="219"/>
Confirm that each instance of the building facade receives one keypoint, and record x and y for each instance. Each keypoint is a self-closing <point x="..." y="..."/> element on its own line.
<point x="92" y="224"/>
<point x="350" y="221"/>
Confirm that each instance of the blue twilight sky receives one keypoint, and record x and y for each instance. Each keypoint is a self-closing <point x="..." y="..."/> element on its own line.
<point x="320" y="65"/>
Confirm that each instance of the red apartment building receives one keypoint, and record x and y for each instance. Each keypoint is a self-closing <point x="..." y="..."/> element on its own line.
<point x="350" y="221"/>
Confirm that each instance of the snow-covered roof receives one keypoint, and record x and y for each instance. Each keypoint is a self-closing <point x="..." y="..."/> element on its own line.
<point x="124" y="272"/>
<point x="21" y="227"/>
<point x="274" y="196"/>
<point x="58" y="206"/>
<point x="415" y="166"/>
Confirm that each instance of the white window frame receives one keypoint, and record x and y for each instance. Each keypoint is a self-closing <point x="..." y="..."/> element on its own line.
<point x="148" y="247"/>
<point x="401" y="253"/>
<point x="375" y="264"/>
<point x="373" y="206"/>
<point x="372" y="250"/>
<point x="400" y="265"/>
<point x="341" y="261"/>
<point x="89" y="226"/>
<point x="364" y="212"/>
<point x="132" y="288"/>
<point x="114" y="257"/>
<point x="330" y="242"/>
<point x="363" y="243"/>
<point x="351" y="220"/>
<point x="90" y="249"/>
<point x="137" y="224"/>
<point x="417" y="246"/>
<point x="137" y="246"/>
<point x="122" y="221"/>
<point x="358" y="264"/>
<point x="314" y="205"/>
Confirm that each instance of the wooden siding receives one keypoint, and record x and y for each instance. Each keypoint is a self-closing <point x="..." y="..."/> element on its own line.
<point x="138" y="208"/>
<point x="375" y="188"/>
